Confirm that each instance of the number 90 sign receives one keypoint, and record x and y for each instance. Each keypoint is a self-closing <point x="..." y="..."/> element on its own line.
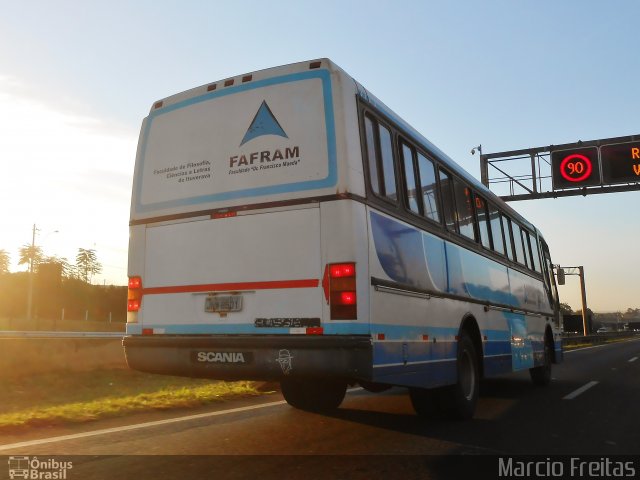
<point x="575" y="168"/>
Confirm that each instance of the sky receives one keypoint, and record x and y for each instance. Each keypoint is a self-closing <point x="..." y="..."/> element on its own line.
<point x="78" y="77"/>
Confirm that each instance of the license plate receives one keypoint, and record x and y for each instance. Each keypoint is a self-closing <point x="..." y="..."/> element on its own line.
<point x="223" y="303"/>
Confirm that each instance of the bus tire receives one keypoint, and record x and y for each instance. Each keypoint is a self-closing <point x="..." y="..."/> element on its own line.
<point x="459" y="400"/>
<point x="318" y="395"/>
<point x="541" y="376"/>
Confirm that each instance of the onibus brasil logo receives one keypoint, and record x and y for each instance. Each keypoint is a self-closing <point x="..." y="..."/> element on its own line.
<point x="36" y="469"/>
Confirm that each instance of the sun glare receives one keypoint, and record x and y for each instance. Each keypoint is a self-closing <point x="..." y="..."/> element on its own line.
<point x="64" y="172"/>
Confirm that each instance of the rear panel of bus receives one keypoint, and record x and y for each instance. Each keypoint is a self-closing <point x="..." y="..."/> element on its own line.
<point x="242" y="226"/>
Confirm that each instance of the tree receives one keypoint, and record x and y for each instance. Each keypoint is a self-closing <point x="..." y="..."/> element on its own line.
<point x="566" y="309"/>
<point x="30" y="253"/>
<point x="5" y="260"/>
<point x="87" y="264"/>
<point x="67" y="268"/>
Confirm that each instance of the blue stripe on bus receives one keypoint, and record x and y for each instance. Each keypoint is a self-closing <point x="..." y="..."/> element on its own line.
<point x="419" y="259"/>
<point x="329" y="181"/>
<point x="422" y="260"/>
<point x="428" y="375"/>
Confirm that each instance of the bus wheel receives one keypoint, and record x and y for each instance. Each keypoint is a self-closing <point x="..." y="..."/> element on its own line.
<point x="459" y="400"/>
<point x="426" y="402"/>
<point x="541" y="375"/>
<point x="319" y="395"/>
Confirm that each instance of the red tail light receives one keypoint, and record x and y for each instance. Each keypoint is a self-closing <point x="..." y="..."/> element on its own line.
<point x="340" y="290"/>
<point x="133" y="305"/>
<point x="134" y="294"/>
<point x="348" y="298"/>
<point x="342" y="270"/>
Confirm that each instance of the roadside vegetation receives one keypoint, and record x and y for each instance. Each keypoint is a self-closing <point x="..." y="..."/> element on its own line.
<point x="44" y="400"/>
<point x="60" y="290"/>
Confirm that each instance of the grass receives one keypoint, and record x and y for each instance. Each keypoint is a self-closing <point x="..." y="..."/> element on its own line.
<point x="80" y="397"/>
<point x="604" y="341"/>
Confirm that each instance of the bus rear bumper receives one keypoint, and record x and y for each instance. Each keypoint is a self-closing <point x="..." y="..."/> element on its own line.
<point x="251" y="357"/>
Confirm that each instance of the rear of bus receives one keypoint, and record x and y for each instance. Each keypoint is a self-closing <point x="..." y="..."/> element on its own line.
<point x="248" y="256"/>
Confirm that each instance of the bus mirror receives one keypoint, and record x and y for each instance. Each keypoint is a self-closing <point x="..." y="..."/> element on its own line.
<point x="560" y="275"/>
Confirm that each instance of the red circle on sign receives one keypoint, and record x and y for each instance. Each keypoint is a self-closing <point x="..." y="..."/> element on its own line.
<point x="582" y="158"/>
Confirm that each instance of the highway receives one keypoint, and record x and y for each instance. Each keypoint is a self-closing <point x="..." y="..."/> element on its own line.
<point x="590" y="408"/>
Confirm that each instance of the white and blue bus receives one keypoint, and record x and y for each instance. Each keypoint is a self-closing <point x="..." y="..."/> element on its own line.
<point x="286" y="225"/>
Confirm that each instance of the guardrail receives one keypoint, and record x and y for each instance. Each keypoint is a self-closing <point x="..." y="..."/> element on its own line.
<point x="596" y="338"/>
<point x="37" y="334"/>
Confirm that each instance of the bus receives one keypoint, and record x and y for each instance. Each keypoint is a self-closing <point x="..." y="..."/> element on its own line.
<point x="287" y="226"/>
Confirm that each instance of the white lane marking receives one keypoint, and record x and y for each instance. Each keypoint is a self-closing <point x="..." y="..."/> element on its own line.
<point x="581" y="349"/>
<point x="633" y="359"/>
<point x="156" y="423"/>
<point x="126" y="428"/>
<point x="581" y="390"/>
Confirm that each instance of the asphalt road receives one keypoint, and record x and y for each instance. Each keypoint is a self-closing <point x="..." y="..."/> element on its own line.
<point x="590" y="408"/>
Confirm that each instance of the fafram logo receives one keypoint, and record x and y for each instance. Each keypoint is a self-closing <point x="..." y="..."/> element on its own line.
<point x="221" y="357"/>
<point x="264" y="123"/>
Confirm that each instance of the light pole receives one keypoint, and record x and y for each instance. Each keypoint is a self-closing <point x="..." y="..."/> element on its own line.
<point x="579" y="271"/>
<point x="32" y="253"/>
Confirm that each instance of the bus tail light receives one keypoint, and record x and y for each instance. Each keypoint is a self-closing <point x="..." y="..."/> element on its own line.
<point x="339" y="285"/>
<point x="134" y="297"/>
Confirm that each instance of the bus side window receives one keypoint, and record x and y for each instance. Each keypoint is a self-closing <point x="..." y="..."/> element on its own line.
<point x="380" y="158"/>
<point x="464" y="209"/>
<point x="508" y="237"/>
<point x="535" y="253"/>
<point x="517" y="242"/>
<point x="429" y="188"/>
<point x="386" y="154"/>
<point x="448" y="205"/>
<point x="551" y="281"/>
<point x="527" y="247"/>
<point x="483" y="221"/>
<point x="496" y="230"/>
<point x="410" y="178"/>
<point x="372" y="155"/>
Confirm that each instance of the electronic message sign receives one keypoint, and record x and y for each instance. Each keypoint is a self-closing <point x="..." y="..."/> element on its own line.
<point x="620" y="162"/>
<point x="577" y="167"/>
